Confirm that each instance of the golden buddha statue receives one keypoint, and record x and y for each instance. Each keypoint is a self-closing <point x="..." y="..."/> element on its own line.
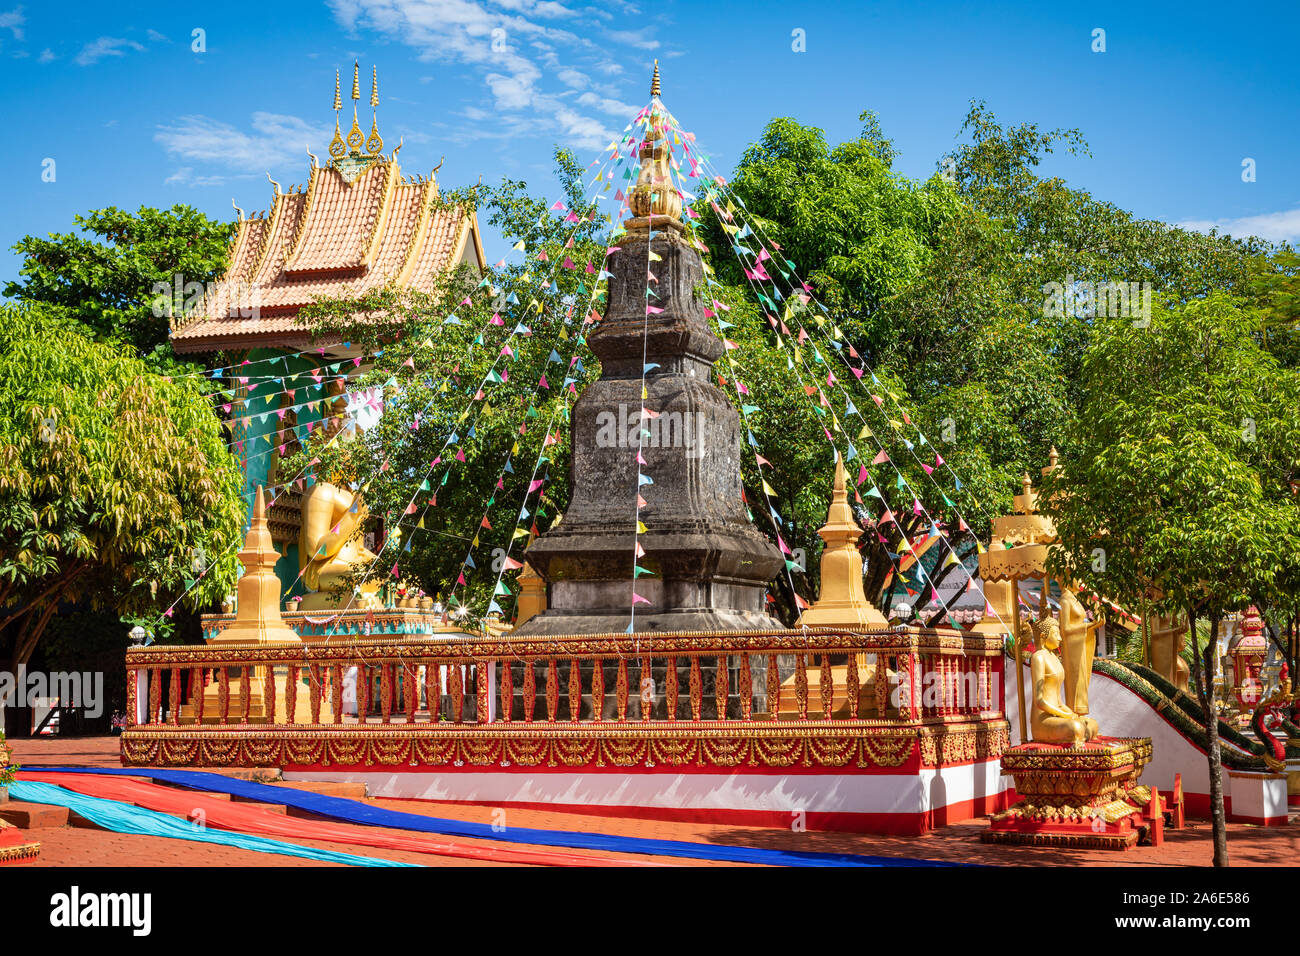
<point x="1051" y="721"/>
<point x="330" y="548"/>
<point x="1078" y="648"/>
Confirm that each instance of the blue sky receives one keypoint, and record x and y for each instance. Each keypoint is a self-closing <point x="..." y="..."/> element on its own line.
<point x="131" y="115"/>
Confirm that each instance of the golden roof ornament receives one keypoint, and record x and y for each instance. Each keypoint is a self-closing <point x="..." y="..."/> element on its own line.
<point x="654" y="83"/>
<point x="337" y="147"/>
<point x="374" y="142"/>
<point x="355" y="137"/>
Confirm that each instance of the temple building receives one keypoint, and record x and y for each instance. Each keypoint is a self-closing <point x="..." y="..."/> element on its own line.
<point x="358" y="225"/>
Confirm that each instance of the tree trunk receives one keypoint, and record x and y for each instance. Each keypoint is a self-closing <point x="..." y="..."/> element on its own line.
<point x="1213" y="751"/>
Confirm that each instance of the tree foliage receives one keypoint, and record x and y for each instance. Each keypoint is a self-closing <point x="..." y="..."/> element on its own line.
<point x="123" y="275"/>
<point x="115" y="484"/>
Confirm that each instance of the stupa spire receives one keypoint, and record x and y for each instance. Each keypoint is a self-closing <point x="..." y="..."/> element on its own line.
<point x="258" y="619"/>
<point x="654" y="82"/>
<point x="843" y="601"/>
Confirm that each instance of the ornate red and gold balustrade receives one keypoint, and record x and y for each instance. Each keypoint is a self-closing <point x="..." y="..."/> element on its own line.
<point x="884" y="697"/>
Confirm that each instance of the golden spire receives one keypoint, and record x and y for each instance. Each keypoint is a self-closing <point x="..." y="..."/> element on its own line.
<point x="374" y="142"/>
<point x="356" y="139"/>
<point x="842" y="602"/>
<point x="258" y="620"/>
<point x="654" y="82"/>
<point x="338" y="100"/>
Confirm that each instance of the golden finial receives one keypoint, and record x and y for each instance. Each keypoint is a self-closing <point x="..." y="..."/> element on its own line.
<point x="338" y="99"/>
<point x="654" y="82"/>
<point x="356" y="80"/>
<point x="374" y="87"/>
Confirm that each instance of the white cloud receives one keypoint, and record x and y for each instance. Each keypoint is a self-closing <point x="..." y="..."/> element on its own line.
<point x="156" y="37"/>
<point x="528" y="62"/>
<point x="274" y="140"/>
<point x="13" y="22"/>
<point x="574" y="78"/>
<point x="606" y="105"/>
<point x="105" y="46"/>
<point x="642" y="39"/>
<point x="47" y="56"/>
<point x="185" y="177"/>
<point x="1281" y="226"/>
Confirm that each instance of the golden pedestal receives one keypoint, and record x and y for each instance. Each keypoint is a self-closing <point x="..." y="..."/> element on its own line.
<point x="1086" y="795"/>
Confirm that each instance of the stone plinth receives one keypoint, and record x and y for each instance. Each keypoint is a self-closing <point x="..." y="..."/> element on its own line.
<point x="710" y="566"/>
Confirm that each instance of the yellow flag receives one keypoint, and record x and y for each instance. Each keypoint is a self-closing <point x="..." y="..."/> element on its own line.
<point x="866" y="432"/>
<point x="767" y="489"/>
<point x="641" y="528"/>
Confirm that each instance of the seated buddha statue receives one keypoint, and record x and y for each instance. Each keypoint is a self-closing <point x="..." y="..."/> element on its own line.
<point x="1051" y="721"/>
<point x="330" y="548"/>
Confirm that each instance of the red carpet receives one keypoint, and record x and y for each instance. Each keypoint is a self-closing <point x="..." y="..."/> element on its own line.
<point x="242" y="818"/>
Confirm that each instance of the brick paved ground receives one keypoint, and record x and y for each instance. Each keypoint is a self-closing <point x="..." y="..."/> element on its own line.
<point x="1248" y="846"/>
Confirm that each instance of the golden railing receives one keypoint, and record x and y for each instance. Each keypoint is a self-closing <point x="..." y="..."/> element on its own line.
<point x="817" y="674"/>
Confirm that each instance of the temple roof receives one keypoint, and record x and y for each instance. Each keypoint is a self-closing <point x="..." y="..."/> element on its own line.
<point x="357" y="226"/>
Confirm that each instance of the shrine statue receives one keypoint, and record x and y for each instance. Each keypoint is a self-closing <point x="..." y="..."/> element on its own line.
<point x="1079" y="647"/>
<point x="1167" y="634"/>
<point x="1051" y="721"/>
<point x="329" y="546"/>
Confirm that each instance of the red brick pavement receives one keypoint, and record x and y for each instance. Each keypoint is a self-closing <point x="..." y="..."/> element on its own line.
<point x="1247" y="845"/>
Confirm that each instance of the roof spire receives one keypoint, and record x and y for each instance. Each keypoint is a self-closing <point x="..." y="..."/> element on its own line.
<point x="374" y="87"/>
<point x="338" y="100"/>
<point x="356" y="79"/>
<point x="654" y="82"/>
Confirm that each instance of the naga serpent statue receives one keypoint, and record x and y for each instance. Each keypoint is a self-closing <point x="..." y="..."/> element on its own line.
<point x="1275" y="704"/>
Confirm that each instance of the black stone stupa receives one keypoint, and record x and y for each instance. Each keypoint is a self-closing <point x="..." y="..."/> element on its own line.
<point x="710" y="566"/>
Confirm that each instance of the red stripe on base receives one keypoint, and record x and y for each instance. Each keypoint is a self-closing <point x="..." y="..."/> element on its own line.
<point x="1198" y="805"/>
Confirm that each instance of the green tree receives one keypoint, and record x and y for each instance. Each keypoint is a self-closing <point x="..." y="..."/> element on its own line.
<point x="1166" y="480"/>
<point x="124" y="275"/>
<point x="115" y="484"/>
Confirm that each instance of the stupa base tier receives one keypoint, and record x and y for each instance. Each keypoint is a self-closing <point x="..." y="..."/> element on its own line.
<point x="321" y="625"/>
<point x="816" y="775"/>
<point x="1084" y="796"/>
<point x="557" y="621"/>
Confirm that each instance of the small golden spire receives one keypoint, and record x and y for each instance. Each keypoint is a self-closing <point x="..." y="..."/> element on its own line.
<point x="338" y="99"/>
<point x="654" y="82"/>
<point x="356" y="80"/>
<point x="374" y="87"/>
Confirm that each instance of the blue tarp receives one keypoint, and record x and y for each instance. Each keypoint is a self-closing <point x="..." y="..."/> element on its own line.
<point x="126" y="818"/>
<point x="355" y="811"/>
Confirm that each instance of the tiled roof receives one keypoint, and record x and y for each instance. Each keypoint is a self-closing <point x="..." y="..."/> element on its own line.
<point x="331" y="240"/>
